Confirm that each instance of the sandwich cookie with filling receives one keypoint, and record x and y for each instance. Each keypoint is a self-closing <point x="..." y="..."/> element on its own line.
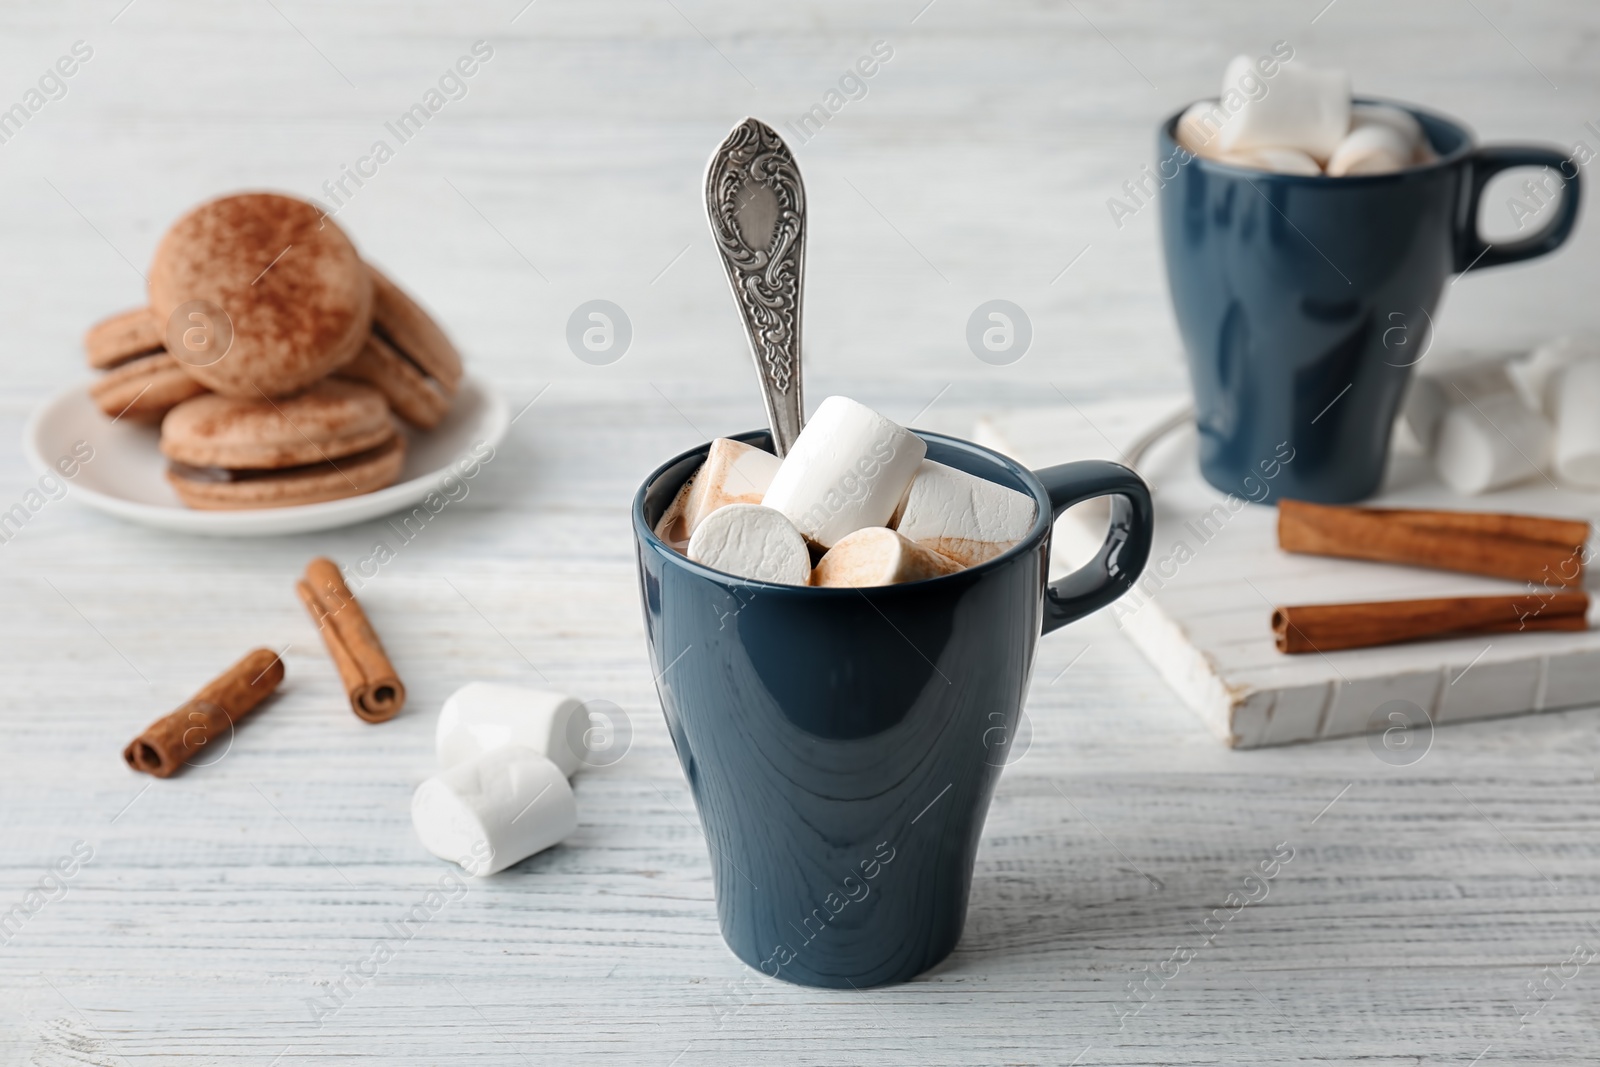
<point x="142" y="382"/>
<point x="408" y="358"/>
<point x="119" y="338"/>
<point x="335" y="440"/>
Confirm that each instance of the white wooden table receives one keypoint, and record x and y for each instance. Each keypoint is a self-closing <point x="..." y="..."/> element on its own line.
<point x="1420" y="902"/>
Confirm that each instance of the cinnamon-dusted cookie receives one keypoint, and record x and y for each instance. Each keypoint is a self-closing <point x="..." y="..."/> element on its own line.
<point x="408" y="357"/>
<point x="336" y="439"/>
<point x="124" y="336"/>
<point x="275" y="274"/>
<point x="417" y="399"/>
<point x="144" y="388"/>
<point x="413" y="333"/>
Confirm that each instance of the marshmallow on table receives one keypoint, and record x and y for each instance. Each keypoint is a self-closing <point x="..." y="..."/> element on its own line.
<point x="1303" y="108"/>
<point x="494" y="810"/>
<point x="1432" y="395"/>
<point x="483" y="716"/>
<point x="1492" y="441"/>
<point x="847" y="470"/>
<point x="1537" y="377"/>
<point x="752" y="541"/>
<point x="961" y="516"/>
<point x="733" y="473"/>
<point x="1476" y="381"/>
<point x="1559" y="379"/>
<point x="1577" y="418"/>
<point x="1278" y="160"/>
<point x="878" y="555"/>
<point x="1423" y="410"/>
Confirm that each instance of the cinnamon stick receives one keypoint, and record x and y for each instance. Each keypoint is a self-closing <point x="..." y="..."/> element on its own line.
<point x="375" y="691"/>
<point x="1329" y="627"/>
<point x="1530" y="548"/>
<point x="171" y="741"/>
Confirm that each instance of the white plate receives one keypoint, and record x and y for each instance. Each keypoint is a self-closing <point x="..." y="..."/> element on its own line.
<point x="126" y="476"/>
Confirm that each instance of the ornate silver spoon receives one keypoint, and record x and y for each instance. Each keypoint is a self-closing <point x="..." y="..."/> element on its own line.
<point x="756" y="204"/>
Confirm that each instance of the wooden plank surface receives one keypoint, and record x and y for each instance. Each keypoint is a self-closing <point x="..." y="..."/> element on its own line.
<point x="218" y="903"/>
<point x="1419" y="902"/>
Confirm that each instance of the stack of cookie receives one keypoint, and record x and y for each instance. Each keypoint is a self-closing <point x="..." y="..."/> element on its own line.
<point x="272" y="357"/>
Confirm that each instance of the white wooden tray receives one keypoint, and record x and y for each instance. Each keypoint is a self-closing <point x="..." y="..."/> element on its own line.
<point x="1201" y="612"/>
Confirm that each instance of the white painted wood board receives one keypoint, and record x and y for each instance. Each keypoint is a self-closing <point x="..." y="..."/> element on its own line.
<point x="1201" y="611"/>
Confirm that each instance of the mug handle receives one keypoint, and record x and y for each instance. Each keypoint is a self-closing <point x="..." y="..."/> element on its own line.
<point x="1127" y="546"/>
<point x="1484" y="163"/>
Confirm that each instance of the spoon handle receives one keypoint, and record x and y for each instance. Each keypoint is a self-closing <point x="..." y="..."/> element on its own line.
<point x="756" y="204"/>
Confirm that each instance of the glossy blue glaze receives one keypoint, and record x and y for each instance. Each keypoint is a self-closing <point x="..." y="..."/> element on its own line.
<point x="1303" y="302"/>
<point x="842" y="744"/>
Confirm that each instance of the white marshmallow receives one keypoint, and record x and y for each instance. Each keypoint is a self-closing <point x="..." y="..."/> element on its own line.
<point x="961" y="516"/>
<point x="1371" y="149"/>
<point x="752" y="541"/>
<point x="1397" y="119"/>
<point x="1200" y="128"/>
<point x="1277" y="160"/>
<point x="733" y="473"/>
<point x="1423" y="410"/>
<point x="1303" y="107"/>
<point x="1476" y="382"/>
<point x="1494" y="441"/>
<point x="879" y="556"/>
<point x="483" y="716"/>
<point x="494" y="810"/>
<point x="1577" y="418"/>
<point x="847" y="470"/>
<point x="1537" y="376"/>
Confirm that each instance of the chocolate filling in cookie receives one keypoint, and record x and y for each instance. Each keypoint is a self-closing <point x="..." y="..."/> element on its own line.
<point x="235" y="474"/>
<point x="394" y="346"/>
<point x="140" y="354"/>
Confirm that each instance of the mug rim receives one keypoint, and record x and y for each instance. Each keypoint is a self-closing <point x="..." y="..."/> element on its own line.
<point x="1043" y="521"/>
<point x="1469" y="143"/>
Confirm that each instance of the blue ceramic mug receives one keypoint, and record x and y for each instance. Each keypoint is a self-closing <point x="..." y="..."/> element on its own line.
<point x="1304" y="301"/>
<point x="842" y="744"/>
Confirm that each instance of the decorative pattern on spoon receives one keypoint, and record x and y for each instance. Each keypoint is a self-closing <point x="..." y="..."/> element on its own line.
<point x="756" y="204"/>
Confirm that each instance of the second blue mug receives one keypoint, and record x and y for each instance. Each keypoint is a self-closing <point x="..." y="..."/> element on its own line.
<point x="1303" y="301"/>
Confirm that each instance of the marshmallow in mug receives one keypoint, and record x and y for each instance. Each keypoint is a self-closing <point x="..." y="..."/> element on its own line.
<point x="1397" y="119"/>
<point x="847" y="470"/>
<point x="877" y="555"/>
<point x="961" y="516"/>
<point x="1305" y="108"/>
<point x="1278" y="160"/>
<point x="733" y="473"/>
<point x="494" y="810"/>
<point x="1200" y="126"/>
<point x="752" y="541"/>
<point x="1375" y="148"/>
<point x="483" y="716"/>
